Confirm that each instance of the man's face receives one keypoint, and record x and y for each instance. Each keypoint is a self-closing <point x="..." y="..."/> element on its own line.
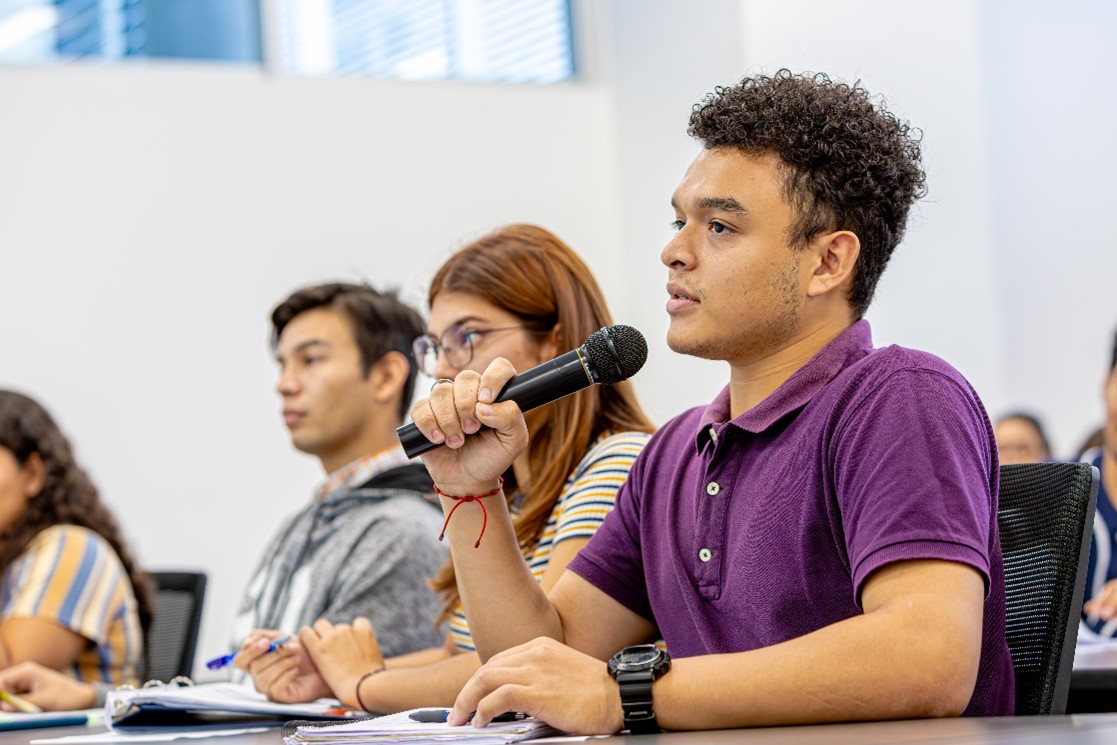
<point x="327" y="401"/>
<point x="734" y="283"/>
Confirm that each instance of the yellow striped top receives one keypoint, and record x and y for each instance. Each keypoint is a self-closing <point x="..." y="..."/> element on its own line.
<point x="585" y="500"/>
<point x="72" y="577"/>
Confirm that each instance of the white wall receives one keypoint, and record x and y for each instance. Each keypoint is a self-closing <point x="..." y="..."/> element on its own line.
<point x="1051" y="109"/>
<point x="152" y="216"/>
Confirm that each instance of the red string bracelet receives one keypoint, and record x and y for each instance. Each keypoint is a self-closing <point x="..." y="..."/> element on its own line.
<point x="471" y="498"/>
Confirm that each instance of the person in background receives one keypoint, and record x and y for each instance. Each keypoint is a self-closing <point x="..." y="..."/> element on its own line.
<point x="1020" y="439"/>
<point x="1100" y="606"/>
<point x="522" y="295"/>
<point x="367" y="542"/>
<point x="819" y="543"/>
<point x="72" y="598"/>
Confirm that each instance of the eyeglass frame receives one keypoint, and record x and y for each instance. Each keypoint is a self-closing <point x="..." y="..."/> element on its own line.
<point x="437" y="346"/>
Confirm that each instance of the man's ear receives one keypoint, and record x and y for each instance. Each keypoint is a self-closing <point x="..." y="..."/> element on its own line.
<point x="34" y="476"/>
<point x="834" y="259"/>
<point x="388" y="375"/>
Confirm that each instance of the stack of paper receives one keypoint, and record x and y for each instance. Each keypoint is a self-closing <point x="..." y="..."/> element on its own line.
<point x="403" y="728"/>
<point x="213" y="703"/>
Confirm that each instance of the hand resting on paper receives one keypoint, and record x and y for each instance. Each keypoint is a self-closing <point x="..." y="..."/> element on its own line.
<point x="45" y="687"/>
<point x="287" y="675"/>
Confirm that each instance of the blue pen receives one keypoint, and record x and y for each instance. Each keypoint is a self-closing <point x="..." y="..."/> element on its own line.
<point x="219" y="662"/>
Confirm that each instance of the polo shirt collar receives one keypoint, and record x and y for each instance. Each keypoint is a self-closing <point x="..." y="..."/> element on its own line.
<point x="795" y="392"/>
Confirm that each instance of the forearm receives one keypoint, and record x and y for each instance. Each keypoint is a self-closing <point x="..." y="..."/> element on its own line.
<point x="503" y="602"/>
<point x="418" y="659"/>
<point x="436" y="684"/>
<point x="864" y="668"/>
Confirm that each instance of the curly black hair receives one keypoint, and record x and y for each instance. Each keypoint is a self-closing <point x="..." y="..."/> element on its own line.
<point x="68" y="496"/>
<point x="851" y="165"/>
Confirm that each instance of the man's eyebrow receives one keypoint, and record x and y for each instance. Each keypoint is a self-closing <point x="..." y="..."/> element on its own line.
<point x="303" y="346"/>
<point x="723" y="204"/>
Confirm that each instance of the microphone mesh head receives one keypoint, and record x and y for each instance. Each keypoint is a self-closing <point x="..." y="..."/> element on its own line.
<point x="615" y="353"/>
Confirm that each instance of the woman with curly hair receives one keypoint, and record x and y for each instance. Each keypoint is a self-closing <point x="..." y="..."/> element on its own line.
<point x="71" y="597"/>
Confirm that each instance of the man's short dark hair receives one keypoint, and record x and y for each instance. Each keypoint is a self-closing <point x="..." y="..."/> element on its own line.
<point x="851" y="165"/>
<point x="381" y="323"/>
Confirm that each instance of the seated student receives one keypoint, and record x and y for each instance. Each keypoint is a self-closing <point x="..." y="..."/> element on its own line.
<point x="1100" y="606"/>
<point x="369" y="534"/>
<point x="71" y="596"/>
<point x="522" y="294"/>
<point x="1020" y="439"/>
<point x="819" y="543"/>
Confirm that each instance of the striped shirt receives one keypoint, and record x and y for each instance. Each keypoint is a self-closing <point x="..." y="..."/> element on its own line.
<point x="72" y="577"/>
<point x="581" y="507"/>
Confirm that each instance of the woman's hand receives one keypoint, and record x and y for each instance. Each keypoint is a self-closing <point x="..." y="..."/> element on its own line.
<point x="48" y="689"/>
<point x="342" y="654"/>
<point x="481" y="438"/>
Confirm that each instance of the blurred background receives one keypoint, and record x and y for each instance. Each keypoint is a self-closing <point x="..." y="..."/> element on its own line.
<point x="170" y="169"/>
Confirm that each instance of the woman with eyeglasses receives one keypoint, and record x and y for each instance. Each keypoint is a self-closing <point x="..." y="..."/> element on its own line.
<point x="522" y="294"/>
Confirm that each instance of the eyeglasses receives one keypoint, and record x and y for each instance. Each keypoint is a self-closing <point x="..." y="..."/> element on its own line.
<point x="456" y="346"/>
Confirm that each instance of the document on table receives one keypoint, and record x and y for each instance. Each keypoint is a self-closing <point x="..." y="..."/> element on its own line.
<point x="403" y="728"/>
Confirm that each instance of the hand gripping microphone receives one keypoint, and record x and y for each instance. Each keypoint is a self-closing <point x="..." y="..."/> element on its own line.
<point x="613" y="354"/>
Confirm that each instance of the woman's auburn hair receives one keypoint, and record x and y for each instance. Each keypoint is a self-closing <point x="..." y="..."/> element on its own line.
<point x="530" y="273"/>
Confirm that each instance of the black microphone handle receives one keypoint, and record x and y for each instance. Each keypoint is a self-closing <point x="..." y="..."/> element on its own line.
<point x="531" y="389"/>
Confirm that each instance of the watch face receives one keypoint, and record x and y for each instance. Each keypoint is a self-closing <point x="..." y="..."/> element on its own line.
<point x="637" y="658"/>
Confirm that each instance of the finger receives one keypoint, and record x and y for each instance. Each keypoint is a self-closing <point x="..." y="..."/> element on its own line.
<point x="466" y="386"/>
<point x="510" y="697"/>
<point x="445" y="411"/>
<point x="323" y="627"/>
<point x="494" y="378"/>
<point x="279" y="684"/>
<point x="310" y="640"/>
<point x="244" y="659"/>
<point x="422" y="415"/>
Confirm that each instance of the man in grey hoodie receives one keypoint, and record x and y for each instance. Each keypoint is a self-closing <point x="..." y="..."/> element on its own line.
<point x="367" y="542"/>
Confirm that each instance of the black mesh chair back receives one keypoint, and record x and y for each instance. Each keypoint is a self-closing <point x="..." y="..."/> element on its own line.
<point x="1046" y="517"/>
<point x="174" y="627"/>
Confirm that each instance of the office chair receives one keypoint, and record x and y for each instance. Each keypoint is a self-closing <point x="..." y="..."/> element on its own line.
<point x="169" y="651"/>
<point x="1046" y="517"/>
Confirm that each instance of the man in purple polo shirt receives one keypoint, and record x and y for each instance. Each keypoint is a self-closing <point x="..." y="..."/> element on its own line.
<point x="819" y="543"/>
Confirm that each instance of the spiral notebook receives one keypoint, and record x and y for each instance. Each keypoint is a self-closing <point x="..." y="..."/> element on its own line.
<point x="221" y="705"/>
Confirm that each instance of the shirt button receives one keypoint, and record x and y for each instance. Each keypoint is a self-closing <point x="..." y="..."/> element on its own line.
<point x="705" y="555"/>
<point x="713" y="488"/>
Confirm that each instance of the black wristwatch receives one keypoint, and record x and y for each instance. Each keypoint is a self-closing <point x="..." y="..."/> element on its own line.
<point x="635" y="669"/>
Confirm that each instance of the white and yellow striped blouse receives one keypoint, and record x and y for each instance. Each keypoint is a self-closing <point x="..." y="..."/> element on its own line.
<point x="585" y="500"/>
<point x="72" y="577"/>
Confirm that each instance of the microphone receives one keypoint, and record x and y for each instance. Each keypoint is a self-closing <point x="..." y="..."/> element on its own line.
<point x="609" y="355"/>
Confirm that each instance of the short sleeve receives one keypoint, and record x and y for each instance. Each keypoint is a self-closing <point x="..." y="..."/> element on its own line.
<point x="72" y="577"/>
<point x="593" y="488"/>
<point x="612" y="560"/>
<point x="915" y="475"/>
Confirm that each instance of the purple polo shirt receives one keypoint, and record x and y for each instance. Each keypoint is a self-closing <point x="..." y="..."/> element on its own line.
<point x="736" y="535"/>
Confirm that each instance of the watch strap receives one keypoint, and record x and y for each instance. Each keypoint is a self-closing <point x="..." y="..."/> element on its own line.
<point x="636" y="701"/>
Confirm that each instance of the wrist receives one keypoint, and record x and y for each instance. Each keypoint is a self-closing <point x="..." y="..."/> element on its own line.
<point x="361" y="691"/>
<point x="448" y="490"/>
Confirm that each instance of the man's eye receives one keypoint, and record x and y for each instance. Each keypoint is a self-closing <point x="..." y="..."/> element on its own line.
<point x="677" y="225"/>
<point x="718" y="228"/>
